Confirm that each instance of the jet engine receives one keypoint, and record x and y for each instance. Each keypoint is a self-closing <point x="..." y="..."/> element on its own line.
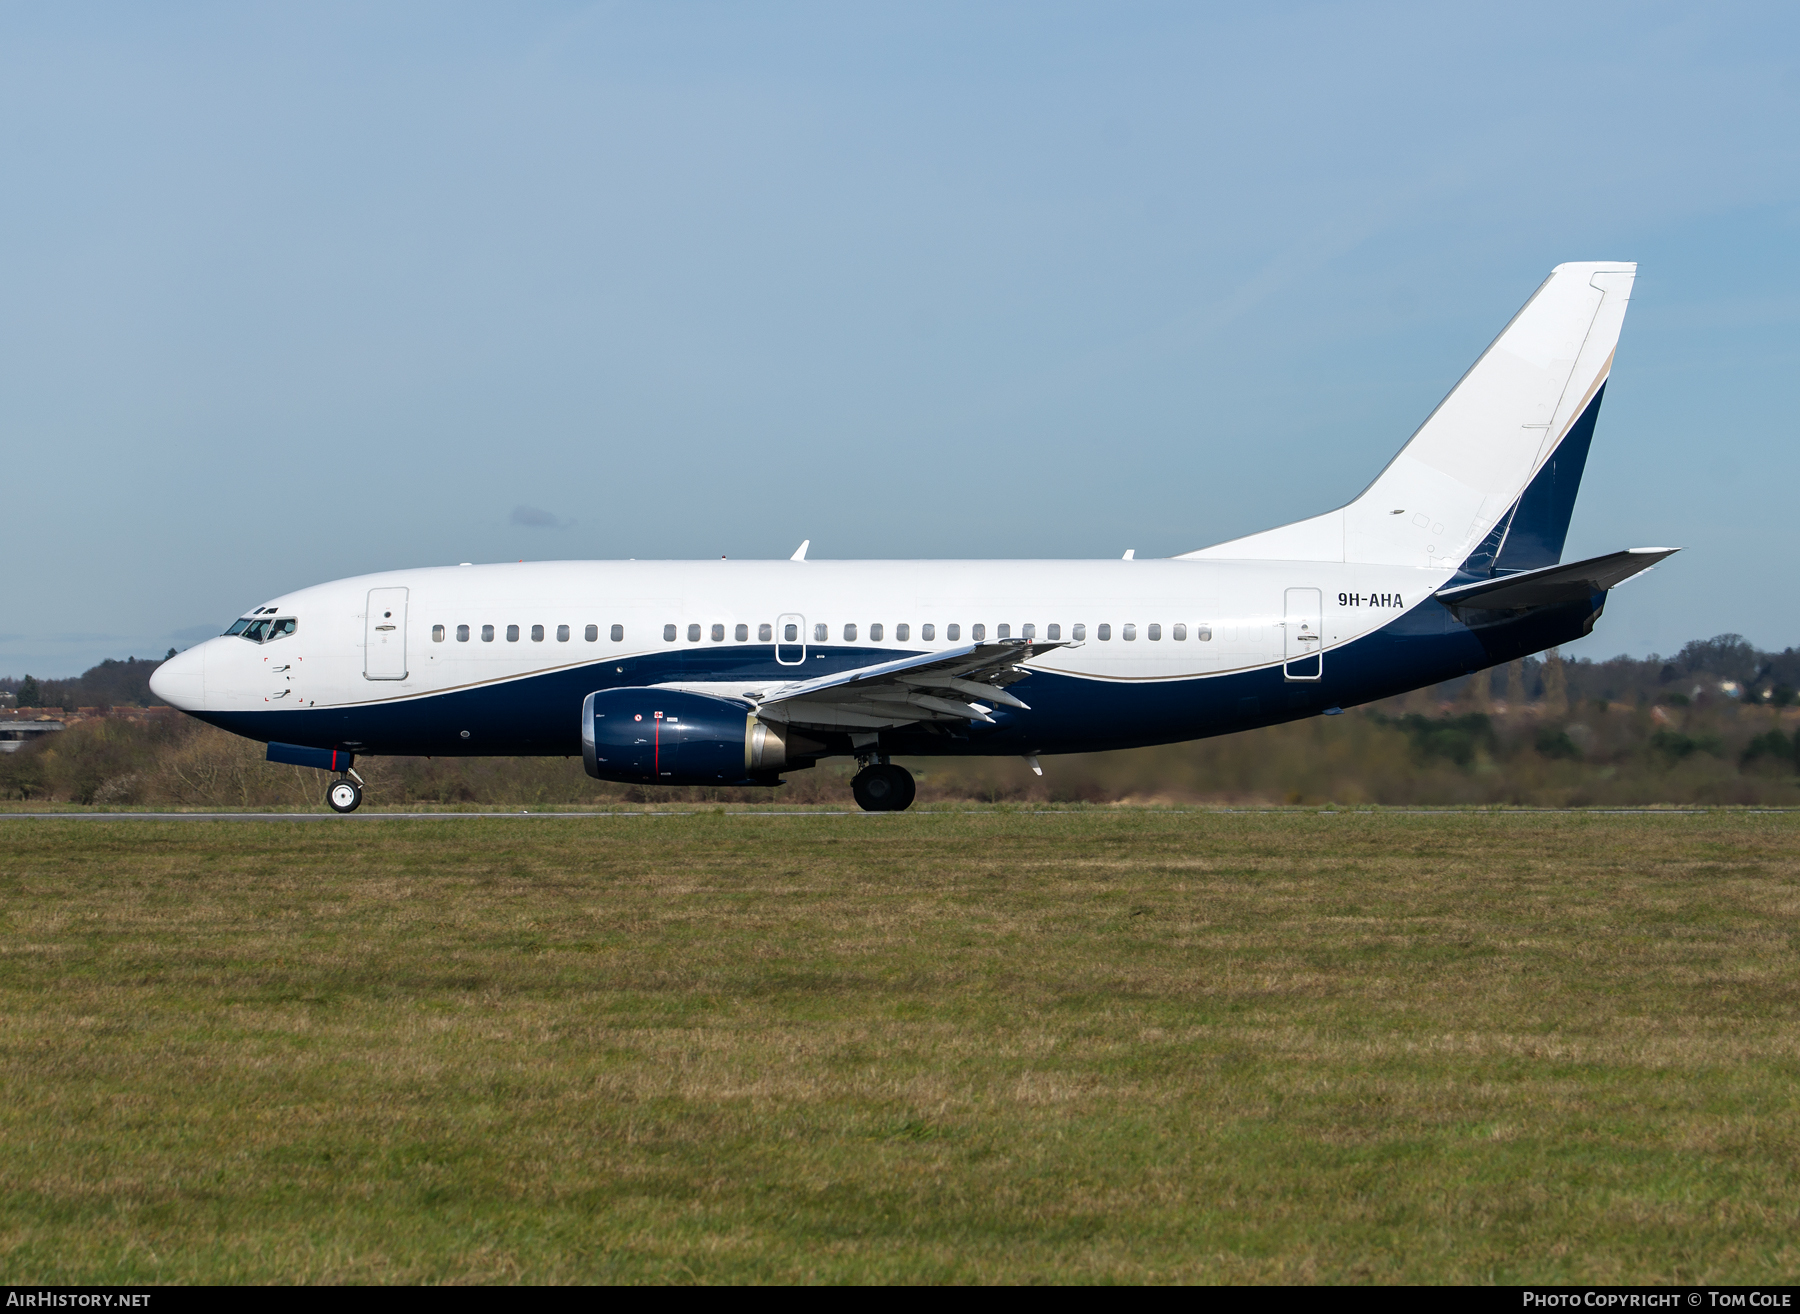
<point x="670" y="737"/>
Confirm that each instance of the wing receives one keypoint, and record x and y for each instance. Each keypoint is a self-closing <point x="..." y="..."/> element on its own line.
<point x="952" y="686"/>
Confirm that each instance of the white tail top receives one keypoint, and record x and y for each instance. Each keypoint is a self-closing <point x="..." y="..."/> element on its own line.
<point x="1476" y="452"/>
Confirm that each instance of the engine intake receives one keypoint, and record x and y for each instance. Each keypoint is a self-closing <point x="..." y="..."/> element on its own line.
<point x="671" y="737"/>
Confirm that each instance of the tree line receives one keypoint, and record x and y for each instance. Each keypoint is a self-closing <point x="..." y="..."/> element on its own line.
<point x="1698" y="670"/>
<point x="1715" y="724"/>
<point x="112" y="683"/>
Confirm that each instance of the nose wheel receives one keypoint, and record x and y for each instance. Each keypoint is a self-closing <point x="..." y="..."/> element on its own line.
<point x="883" y="787"/>
<point x="345" y="795"/>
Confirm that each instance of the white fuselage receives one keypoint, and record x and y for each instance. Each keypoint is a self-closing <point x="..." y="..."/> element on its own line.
<point x="470" y="626"/>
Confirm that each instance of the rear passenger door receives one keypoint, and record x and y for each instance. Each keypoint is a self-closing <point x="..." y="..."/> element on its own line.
<point x="1304" y="640"/>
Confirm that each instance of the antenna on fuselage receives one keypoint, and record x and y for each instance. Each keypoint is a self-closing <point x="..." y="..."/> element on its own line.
<point x="800" y="552"/>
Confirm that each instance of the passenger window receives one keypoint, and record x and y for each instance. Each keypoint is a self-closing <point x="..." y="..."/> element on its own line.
<point x="953" y="632"/>
<point x="1130" y="634"/>
<point x="976" y="632"/>
<point x="1179" y="633"/>
<point x="1028" y="631"/>
<point x="487" y="633"/>
<point x="618" y="634"/>
<point x="537" y="633"/>
<point x="562" y="633"/>
<point x="849" y="634"/>
<point x="820" y="633"/>
<point x="1104" y="633"/>
<point x="512" y="633"/>
<point x="1154" y="635"/>
<point x="693" y="634"/>
<point x="668" y="634"/>
<point x="790" y="634"/>
<point x="591" y="634"/>
<point x="1203" y="633"/>
<point x="875" y="633"/>
<point x="1079" y="634"/>
<point x="437" y="633"/>
<point x="1053" y="632"/>
<point x="741" y="634"/>
<point x="462" y="633"/>
<point x="718" y="634"/>
<point x="765" y="632"/>
<point x="902" y="632"/>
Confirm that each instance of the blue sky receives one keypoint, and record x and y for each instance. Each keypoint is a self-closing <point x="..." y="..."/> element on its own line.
<point x="293" y="293"/>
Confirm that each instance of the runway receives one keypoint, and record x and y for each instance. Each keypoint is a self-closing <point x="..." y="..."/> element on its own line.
<point x="702" y="812"/>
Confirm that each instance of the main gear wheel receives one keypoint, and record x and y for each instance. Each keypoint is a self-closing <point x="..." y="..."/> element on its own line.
<point x="883" y="787"/>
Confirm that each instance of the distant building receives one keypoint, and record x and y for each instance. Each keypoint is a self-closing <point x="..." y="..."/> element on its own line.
<point x="14" y="735"/>
<point x="22" y="725"/>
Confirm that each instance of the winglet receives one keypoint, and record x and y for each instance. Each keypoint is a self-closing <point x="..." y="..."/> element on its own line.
<point x="800" y="552"/>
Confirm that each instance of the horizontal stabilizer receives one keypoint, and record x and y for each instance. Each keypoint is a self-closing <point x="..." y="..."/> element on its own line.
<point x="1552" y="584"/>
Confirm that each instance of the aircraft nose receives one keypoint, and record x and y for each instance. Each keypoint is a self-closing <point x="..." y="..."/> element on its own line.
<point x="181" y="681"/>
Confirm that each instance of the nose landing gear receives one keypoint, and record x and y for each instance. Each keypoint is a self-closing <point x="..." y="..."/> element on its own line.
<point x="883" y="787"/>
<point x="345" y="793"/>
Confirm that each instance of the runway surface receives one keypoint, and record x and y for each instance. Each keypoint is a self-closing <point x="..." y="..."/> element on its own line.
<point x="699" y="812"/>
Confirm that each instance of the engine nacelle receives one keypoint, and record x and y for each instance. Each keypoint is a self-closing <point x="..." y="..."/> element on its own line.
<point x="670" y="737"/>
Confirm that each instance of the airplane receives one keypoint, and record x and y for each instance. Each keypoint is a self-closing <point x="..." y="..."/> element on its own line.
<point x="735" y="672"/>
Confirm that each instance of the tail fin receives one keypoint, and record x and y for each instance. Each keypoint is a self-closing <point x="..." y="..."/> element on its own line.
<point x="1489" y="480"/>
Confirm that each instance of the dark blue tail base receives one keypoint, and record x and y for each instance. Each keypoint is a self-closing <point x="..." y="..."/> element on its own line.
<point x="1532" y="532"/>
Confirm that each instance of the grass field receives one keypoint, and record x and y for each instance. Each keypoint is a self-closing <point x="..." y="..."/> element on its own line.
<point x="1133" y="1045"/>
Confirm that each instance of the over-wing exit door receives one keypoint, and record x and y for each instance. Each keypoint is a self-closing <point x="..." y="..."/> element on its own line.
<point x="384" y="635"/>
<point x="790" y="640"/>
<point x="1303" y="654"/>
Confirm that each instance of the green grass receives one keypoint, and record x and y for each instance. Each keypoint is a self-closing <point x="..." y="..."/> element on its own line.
<point x="1137" y="1046"/>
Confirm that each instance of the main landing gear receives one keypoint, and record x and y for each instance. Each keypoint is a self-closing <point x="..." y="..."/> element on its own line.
<point x="883" y="787"/>
<point x="345" y="793"/>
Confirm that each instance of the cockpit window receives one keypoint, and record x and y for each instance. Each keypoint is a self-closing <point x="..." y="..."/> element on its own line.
<point x="237" y="626"/>
<point x="264" y="630"/>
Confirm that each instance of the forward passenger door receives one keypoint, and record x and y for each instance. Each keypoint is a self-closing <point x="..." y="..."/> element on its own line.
<point x="384" y="635"/>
